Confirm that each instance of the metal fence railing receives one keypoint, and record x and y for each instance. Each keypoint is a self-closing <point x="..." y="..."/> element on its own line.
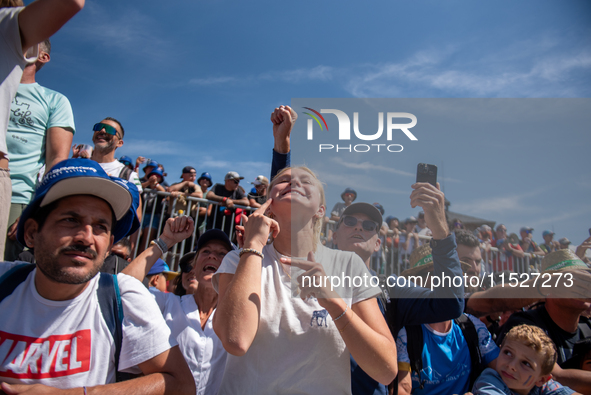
<point x="159" y="206"/>
<point x="388" y="261"/>
<point x="207" y="214"/>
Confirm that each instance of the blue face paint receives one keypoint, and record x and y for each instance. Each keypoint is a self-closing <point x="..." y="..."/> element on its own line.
<point x="527" y="381"/>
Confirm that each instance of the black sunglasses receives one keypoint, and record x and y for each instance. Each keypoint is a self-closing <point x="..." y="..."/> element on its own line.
<point x="108" y="128"/>
<point x="186" y="268"/>
<point x="368" y="225"/>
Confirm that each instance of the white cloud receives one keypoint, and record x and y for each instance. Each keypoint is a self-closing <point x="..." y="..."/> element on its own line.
<point x="500" y="205"/>
<point x="526" y="69"/>
<point x="212" y="80"/>
<point x="127" y="30"/>
<point x="152" y="148"/>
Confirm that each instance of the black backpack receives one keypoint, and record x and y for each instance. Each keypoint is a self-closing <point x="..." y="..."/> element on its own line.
<point x="414" y="346"/>
<point x="125" y="173"/>
<point x="109" y="299"/>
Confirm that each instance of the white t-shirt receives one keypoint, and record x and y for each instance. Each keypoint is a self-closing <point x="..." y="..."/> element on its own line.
<point x="202" y="348"/>
<point x="297" y="348"/>
<point x="113" y="169"/>
<point x="12" y="63"/>
<point x="67" y="344"/>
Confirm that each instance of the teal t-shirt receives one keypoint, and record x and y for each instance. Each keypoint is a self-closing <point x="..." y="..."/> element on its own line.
<point x="33" y="111"/>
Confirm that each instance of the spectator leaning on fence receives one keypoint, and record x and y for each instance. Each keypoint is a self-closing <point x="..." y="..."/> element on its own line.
<point x="228" y="195"/>
<point x="258" y="195"/>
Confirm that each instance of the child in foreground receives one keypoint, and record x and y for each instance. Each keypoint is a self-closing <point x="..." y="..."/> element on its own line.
<point x="523" y="367"/>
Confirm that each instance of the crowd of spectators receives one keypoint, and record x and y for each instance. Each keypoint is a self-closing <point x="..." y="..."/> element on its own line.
<point x="91" y="305"/>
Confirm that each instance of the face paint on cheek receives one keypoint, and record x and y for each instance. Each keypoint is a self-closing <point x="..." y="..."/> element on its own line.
<point x="527" y="381"/>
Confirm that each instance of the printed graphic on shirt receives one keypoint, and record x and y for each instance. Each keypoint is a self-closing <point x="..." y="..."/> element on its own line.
<point x="320" y="317"/>
<point x="21" y="114"/>
<point x="27" y="357"/>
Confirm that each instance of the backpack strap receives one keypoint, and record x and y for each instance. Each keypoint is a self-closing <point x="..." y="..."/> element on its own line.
<point x="414" y="347"/>
<point x="125" y="173"/>
<point x="13" y="278"/>
<point x="584" y="329"/>
<point x="471" y="336"/>
<point x="109" y="298"/>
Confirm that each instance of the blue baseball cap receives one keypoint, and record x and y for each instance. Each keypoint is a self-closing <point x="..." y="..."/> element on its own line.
<point x="158" y="172"/>
<point x="205" y="175"/>
<point x="349" y="190"/>
<point x="161" y="267"/>
<point x="151" y="163"/>
<point x="81" y="177"/>
<point x="547" y="232"/>
<point x="127" y="159"/>
<point x="130" y="219"/>
<point x="379" y="207"/>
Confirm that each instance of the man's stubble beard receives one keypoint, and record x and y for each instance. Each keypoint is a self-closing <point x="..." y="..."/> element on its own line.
<point x="47" y="264"/>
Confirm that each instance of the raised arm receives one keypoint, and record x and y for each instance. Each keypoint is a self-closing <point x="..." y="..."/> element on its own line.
<point x="43" y="18"/>
<point x="237" y="317"/>
<point x="417" y="305"/>
<point x="175" y="230"/>
<point x="283" y="119"/>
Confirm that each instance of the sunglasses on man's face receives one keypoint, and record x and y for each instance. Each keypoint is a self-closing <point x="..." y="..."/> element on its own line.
<point x="108" y="128"/>
<point x="368" y="225"/>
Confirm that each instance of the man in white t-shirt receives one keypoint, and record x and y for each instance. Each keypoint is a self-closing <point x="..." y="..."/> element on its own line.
<point x="108" y="136"/>
<point x="53" y="332"/>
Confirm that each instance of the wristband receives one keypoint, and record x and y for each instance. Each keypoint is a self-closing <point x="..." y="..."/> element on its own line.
<point x="342" y="330"/>
<point x="251" y="250"/>
<point x="224" y="200"/>
<point x="160" y="244"/>
<point x="341" y="316"/>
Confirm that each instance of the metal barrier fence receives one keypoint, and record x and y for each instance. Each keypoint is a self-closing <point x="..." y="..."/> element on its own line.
<point x="159" y="206"/>
<point x="388" y="261"/>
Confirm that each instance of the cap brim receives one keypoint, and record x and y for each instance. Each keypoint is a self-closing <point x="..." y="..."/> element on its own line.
<point x="367" y="209"/>
<point x="170" y="275"/>
<point x="117" y="196"/>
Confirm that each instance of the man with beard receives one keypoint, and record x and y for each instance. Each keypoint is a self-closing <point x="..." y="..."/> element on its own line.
<point x="108" y="136"/>
<point x="54" y="328"/>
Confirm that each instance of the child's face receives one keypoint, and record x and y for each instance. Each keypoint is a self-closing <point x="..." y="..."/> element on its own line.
<point x="520" y="367"/>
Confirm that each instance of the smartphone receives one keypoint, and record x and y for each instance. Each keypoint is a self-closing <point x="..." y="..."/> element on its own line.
<point x="427" y="173"/>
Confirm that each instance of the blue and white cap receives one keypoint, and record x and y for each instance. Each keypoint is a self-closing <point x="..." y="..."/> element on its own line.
<point x="130" y="218"/>
<point x="82" y="177"/>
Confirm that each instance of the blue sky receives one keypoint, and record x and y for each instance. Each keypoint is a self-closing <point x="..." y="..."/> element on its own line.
<point x="194" y="83"/>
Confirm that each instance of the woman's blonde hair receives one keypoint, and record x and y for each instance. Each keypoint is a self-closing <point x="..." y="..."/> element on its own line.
<point x="317" y="224"/>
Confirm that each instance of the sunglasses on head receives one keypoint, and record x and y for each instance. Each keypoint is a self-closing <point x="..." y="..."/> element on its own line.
<point x="368" y="225"/>
<point x="108" y="128"/>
